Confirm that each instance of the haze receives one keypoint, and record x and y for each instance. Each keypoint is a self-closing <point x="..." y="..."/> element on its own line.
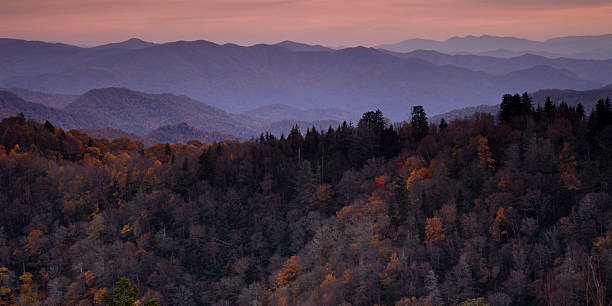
<point x="334" y="23"/>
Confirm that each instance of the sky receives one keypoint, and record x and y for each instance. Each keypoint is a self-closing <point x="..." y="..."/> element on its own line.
<point x="326" y="22"/>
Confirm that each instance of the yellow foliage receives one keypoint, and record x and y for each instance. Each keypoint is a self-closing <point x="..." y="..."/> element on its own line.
<point x="420" y="174"/>
<point x="16" y="150"/>
<point x="26" y="278"/>
<point x="5" y="291"/>
<point x="485" y="157"/>
<point x="126" y="230"/>
<point x="108" y="157"/>
<point x="44" y="274"/>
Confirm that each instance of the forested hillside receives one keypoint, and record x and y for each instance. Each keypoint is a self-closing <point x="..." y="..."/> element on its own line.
<point x="511" y="209"/>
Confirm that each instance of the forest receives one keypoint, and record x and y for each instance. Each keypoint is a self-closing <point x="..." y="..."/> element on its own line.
<point x="513" y="209"/>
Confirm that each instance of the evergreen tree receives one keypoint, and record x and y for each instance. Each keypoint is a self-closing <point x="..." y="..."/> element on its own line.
<point x="418" y="123"/>
<point x="443" y="125"/>
<point x="505" y="108"/>
<point x="601" y="116"/>
<point x="526" y="105"/>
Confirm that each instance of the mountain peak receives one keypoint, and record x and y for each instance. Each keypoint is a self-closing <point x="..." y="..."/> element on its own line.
<point x="301" y="47"/>
<point x="130" y="44"/>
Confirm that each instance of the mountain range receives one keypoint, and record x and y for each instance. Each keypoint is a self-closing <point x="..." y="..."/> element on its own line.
<point x="585" y="47"/>
<point x="587" y="98"/>
<point x="278" y="112"/>
<point x="592" y="70"/>
<point x="149" y="118"/>
<point x="182" y="133"/>
<point x="238" y="79"/>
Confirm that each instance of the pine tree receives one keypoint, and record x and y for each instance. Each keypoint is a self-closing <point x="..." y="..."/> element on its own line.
<point x="418" y="123"/>
<point x="443" y="125"/>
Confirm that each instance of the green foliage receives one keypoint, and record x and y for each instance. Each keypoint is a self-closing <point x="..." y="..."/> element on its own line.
<point x="125" y="294"/>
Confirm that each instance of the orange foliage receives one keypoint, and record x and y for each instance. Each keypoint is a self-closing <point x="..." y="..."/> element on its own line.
<point x="568" y="176"/>
<point x="485" y="157"/>
<point x="603" y="245"/>
<point x="497" y="228"/>
<point x="90" y="278"/>
<point x="35" y="241"/>
<point x="434" y="230"/>
<point x="420" y="174"/>
<point x="321" y="197"/>
<point x="408" y="301"/>
<point x="376" y="206"/>
<point x="288" y="273"/>
<point x="380" y="181"/>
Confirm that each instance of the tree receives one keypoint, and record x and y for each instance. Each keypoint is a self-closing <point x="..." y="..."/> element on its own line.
<point x="373" y="121"/>
<point x="513" y="106"/>
<point x="434" y="230"/>
<point x="506" y="110"/>
<point x="125" y="294"/>
<point x="370" y="129"/>
<point x="443" y="125"/>
<point x="526" y="105"/>
<point x="601" y="115"/>
<point x="418" y="123"/>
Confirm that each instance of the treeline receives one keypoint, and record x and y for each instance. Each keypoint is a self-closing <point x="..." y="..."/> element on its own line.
<point x="510" y="210"/>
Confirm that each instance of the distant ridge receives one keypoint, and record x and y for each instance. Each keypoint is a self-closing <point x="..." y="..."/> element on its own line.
<point x="238" y="79"/>
<point x="277" y="112"/>
<point x="588" y="99"/>
<point x="300" y="47"/>
<point x="130" y="44"/>
<point x="596" y="71"/>
<point x="111" y="134"/>
<point x="58" y="101"/>
<point x="140" y="113"/>
<point x="182" y="133"/>
<point x="588" y="47"/>
<point x="11" y="105"/>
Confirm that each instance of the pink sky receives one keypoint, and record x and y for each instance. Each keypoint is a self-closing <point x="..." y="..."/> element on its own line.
<point x="328" y="22"/>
